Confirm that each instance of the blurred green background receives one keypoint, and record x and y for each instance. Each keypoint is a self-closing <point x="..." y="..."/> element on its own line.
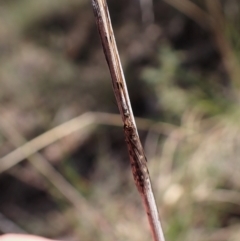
<point x="181" y="61"/>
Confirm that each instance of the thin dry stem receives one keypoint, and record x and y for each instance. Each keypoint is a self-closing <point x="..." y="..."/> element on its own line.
<point x="218" y="28"/>
<point x="212" y="20"/>
<point x="56" y="179"/>
<point x="8" y="226"/>
<point x="28" y="148"/>
<point x="79" y="123"/>
<point x="136" y="153"/>
<point x="191" y="10"/>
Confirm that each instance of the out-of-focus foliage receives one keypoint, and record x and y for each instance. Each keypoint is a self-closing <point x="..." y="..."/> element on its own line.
<point x="182" y="72"/>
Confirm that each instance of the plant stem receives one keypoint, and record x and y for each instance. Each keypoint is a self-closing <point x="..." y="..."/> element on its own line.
<point x="136" y="153"/>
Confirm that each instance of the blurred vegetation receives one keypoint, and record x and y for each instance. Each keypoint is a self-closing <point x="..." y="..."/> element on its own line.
<point x="182" y="71"/>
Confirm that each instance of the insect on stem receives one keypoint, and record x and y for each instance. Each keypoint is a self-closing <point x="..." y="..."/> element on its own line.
<point x="136" y="153"/>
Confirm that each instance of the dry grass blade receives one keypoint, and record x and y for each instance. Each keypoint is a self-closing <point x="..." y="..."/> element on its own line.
<point x="29" y="148"/>
<point x="79" y="123"/>
<point x="218" y="28"/>
<point x="212" y="20"/>
<point x="56" y="179"/>
<point x="8" y="226"/>
<point x="136" y="153"/>
<point x="191" y="10"/>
